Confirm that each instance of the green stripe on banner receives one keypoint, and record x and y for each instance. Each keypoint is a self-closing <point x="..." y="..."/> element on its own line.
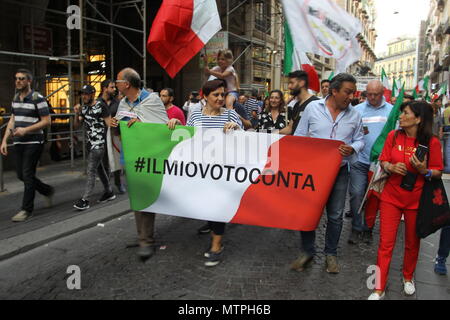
<point x="288" y="50"/>
<point x="142" y="143"/>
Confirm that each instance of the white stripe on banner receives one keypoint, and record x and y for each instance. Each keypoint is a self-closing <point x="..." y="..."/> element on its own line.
<point x="216" y="200"/>
<point x="374" y="119"/>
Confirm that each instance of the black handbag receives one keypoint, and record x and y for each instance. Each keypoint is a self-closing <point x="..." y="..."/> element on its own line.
<point x="434" y="209"/>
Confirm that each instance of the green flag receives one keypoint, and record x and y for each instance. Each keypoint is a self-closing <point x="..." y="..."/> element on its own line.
<point x="331" y="76"/>
<point x="390" y="125"/>
<point x="394" y="88"/>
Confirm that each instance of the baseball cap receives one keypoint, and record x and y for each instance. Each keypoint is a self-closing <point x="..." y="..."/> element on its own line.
<point x="87" y="89"/>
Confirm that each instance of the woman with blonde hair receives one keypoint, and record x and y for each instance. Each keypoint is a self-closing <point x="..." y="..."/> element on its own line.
<point x="274" y="115"/>
<point x="225" y="71"/>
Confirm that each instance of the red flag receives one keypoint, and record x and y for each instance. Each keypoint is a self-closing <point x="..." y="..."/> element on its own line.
<point x="180" y="30"/>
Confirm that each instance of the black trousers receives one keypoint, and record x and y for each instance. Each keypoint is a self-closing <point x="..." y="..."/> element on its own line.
<point x="217" y="227"/>
<point x="27" y="157"/>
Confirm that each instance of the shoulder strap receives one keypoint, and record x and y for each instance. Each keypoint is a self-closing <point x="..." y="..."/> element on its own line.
<point x="229" y="115"/>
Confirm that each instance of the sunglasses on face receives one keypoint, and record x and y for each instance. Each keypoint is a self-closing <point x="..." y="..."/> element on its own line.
<point x="20" y="78"/>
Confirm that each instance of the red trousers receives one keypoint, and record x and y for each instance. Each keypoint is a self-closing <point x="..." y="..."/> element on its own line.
<point x="372" y="206"/>
<point x="390" y="217"/>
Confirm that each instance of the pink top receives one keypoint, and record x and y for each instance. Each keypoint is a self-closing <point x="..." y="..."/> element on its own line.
<point x="175" y="113"/>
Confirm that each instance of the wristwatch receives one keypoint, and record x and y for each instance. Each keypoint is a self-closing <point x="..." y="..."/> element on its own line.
<point x="428" y="175"/>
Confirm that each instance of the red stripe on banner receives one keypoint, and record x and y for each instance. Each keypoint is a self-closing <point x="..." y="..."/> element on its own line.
<point x="171" y="41"/>
<point x="293" y="208"/>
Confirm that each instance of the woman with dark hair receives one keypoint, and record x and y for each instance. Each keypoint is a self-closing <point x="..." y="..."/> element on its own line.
<point x="213" y="115"/>
<point x="274" y="115"/>
<point x="399" y="159"/>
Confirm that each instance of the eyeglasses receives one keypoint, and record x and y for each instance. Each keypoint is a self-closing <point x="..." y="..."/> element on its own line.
<point x="20" y="78"/>
<point x="121" y="81"/>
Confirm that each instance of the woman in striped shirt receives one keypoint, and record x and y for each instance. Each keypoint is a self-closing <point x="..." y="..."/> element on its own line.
<point x="213" y="115"/>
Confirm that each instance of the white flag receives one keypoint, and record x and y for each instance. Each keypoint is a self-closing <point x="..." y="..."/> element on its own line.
<point x="322" y="27"/>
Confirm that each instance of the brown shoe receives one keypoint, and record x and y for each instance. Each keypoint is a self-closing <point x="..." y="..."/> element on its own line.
<point x="301" y="262"/>
<point x="332" y="265"/>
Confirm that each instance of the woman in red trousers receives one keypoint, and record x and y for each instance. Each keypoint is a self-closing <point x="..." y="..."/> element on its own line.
<point x="397" y="159"/>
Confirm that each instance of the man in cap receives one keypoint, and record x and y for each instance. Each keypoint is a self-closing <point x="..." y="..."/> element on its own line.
<point x="96" y="118"/>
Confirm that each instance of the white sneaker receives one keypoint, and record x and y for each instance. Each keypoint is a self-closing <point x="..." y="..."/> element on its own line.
<point x="376" y="296"/>
<point x="408" y="287"/>
<point x="21" y="216"/>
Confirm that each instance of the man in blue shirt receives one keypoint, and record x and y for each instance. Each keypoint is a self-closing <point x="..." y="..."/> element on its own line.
<point x="374" y="112"/>
<point x="332" y="118"/>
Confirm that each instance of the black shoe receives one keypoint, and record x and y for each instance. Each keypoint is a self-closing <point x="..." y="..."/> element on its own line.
<point x="146" y="252"/>
<point x="355" y="237"/>
<point x="213" y="258"/>
<point x="367" y="237"/>
<point x="107" y="196"/>
<point x="81" y="204"/>
<point x="204" y="229"/>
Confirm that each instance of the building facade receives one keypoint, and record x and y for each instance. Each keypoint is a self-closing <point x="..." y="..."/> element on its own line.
<point x="437" y="44"/>
<point x="399" y="62"/>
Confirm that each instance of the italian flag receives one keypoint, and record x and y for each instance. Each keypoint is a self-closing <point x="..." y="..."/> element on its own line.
<point x="297" y="60"/>
<point x="387" y="87"/>
<point x="239" y="177"/>
<point x="180" y="30"/>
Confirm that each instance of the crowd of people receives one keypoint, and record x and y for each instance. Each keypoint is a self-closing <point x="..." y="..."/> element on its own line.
<point x="335" y="114"/>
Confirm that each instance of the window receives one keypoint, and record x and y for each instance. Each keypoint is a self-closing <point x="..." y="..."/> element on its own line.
<point x="263" y="17"/>
<point x="401" y="65"/>
<point x="395" y="66"/>
<point x="409" y="64"/>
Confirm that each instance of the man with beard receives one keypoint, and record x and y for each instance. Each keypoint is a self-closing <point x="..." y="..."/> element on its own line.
<point x="96" y="118"/>
<point x="112" y="156"/>
<point x="298" y="87"/>
<point x="29" y="116"/>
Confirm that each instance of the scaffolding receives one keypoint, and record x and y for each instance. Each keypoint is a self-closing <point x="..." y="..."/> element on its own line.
<point x="260" y="20"/>
<point x="108" y="13"/>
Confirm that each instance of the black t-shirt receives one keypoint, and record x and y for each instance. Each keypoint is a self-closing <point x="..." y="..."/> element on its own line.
<point x="296" y="113"/>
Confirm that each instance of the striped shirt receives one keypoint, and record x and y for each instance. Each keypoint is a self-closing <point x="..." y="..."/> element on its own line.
<point x="28" y="112"/>
<point x="198" y="119"/>
<point x="251" y="105"/>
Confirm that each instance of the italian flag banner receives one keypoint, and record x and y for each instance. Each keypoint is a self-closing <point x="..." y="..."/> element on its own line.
<point x="239" y="177"/>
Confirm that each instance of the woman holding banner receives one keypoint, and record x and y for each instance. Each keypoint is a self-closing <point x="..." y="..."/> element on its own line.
<point x="213" y="115"/>
<point x="400" y="160"/>
<point x="274" y="115"/>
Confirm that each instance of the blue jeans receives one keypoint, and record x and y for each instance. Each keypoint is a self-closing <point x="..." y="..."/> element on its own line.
<point x="446" y="153"/>
<point x="444" y="243"/>
<point x="357" y="189"/>
<point x="335" y="209"/>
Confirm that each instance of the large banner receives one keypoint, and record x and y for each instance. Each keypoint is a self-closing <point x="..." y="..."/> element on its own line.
<point x="238" y="177"/>
<point x="322" y="27"/>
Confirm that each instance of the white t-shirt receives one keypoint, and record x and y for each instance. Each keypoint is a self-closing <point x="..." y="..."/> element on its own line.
<point x="231" y="80"/>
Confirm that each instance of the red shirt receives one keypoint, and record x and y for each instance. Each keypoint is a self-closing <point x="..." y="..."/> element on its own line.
<point x="175" y="112"/>
<point x="401" y="151"/>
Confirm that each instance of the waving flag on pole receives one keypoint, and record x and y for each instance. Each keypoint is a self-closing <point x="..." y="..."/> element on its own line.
<point x="387" y="87"/>
<point x="180" y="30"/>
<point x="325" y="29"/>
<point x="295" y="60"/>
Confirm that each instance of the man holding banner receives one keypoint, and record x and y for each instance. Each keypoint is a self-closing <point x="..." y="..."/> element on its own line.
<point x="332" y="118"/>
<point x="139" y="106"/>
